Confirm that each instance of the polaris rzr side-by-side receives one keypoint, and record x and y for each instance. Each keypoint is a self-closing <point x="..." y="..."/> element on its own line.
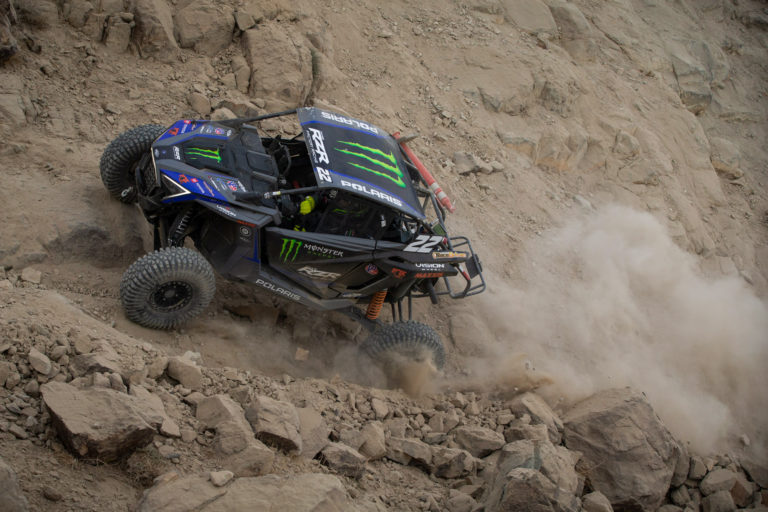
<point x="333" y="217"/>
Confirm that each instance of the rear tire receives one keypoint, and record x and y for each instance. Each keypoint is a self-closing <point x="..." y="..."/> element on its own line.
<point x="119" y="160"/>
<point x="405" y="342"/>
<point x="167" y="288"/>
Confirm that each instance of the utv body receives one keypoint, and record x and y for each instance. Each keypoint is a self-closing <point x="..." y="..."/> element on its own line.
<point x="333" y="217"/>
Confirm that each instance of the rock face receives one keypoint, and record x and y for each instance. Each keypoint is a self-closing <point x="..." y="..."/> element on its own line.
<point x="11" y="497"/>
<point x="206" y="27"/>
<point x="97" y="424"/>
<point x="268" y="48"/>
<point x="306" y="492"/>
<point x="154" y="29"/>
<point x="628" y="454"/>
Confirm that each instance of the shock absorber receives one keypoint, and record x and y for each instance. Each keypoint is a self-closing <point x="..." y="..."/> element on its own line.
<point x="377" y="302"/>
<point x="179" y="227"/>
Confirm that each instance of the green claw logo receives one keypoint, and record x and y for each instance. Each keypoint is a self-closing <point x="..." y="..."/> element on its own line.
<point x="290" y="246"/>
<point x="385" y="161"/>
<point x="213" y="154"/>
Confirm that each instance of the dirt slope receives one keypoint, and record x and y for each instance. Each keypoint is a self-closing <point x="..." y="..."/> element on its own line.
<point x="564" y="109"/>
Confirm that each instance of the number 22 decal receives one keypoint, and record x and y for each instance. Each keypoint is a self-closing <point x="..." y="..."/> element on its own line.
<point x="424" y="243"/>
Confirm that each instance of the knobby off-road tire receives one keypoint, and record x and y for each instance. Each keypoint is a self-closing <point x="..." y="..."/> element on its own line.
<point x="409" y="341"/>
<point x="118" y="162"/>
<point x="166" y="288"/>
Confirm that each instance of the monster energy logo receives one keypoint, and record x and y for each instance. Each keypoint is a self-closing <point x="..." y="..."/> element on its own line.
<point x="290" y="246"/>
<point x="213" y="154"/>
<point x="386" y="162"/>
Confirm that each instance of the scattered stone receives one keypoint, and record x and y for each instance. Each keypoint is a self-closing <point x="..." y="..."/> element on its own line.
<point x="460" y="502"/>
<point x="479" y="441"/>
<point x="11" y="497"/>
<point x="52" y="494"/>
<point x="372" y="441"/>
<point x="406" y="451"/>
<point x="629" y="454"/>
<point x="31" y="275"/>
<point x="275" y="422"/>
<point x="380" y="408"/>
<point x="343" y="460"/>
<point x="596" y="502"/>
<point x="698" y="468"/>
<point x="186" y="372"/>
<point x="313" y="430"/>
<point x="467" y="163"/>
<point x="256" y="459"/>
<point x="221" y="478"/>
<point x="97" y="424"/>
<point x="540" y="412"/>
<point x="717" y="480"/>
<point x="719" y="501"/>
<point x="452" y="463"/>
<point x="626" y="146"/>
<point x="39" y="362"/>
<point x="199" y="103"/>
<point x="18" y="431"/>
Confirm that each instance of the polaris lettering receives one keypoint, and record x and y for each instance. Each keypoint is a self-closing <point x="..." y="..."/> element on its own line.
<point x="276" y="289"/>
<point x="351" y="122"/>
<point x="371" y="192"/>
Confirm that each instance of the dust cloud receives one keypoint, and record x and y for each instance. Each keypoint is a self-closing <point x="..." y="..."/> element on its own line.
<point x="609" y="300"/>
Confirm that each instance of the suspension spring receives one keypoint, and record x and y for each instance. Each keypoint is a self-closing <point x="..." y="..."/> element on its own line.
<point x="377" y="302"/>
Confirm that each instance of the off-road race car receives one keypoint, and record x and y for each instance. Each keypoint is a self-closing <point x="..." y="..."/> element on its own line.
<point x="333" y="217"/>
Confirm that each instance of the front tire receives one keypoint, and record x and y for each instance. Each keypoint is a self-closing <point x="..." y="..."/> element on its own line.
<point x="119" y="160"/>
<point x="166" y="288"/>
<point x="401" y="347"/>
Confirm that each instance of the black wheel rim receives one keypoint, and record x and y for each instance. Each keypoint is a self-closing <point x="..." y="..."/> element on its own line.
<point x="171" y="296"/>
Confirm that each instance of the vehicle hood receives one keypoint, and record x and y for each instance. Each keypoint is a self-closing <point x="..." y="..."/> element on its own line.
<point x="358" y="157"/>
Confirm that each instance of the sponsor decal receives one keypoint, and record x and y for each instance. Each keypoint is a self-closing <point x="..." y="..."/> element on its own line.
<point x="439" y="255"/>
<point x="208" y="188"/>
<point x="351" y="295"/>
<point x="290" y="249"/>
<point x="183" y="178"/>
<point x="200" y="153"/>
<point x="225" y="210"/>
<point x="176" y="153"/>
<point x="189" y="126"/>
<point x="398" y="273"/>
<point x="373" y="160"/>
<point x="431" y="266"/>
<point x="174" y="131"/>
<point x="215" y="130"/>
<point x="232" y="185"/>
<point x="318" y="145"/>
<point x="424" y="243"/>
<point x="324" y="174"/>
<point x="372" y="269"/>
<point x="323" y="252"/>
<point x="427" y="275"/>
<point x="319" y="275"/>
<point x="350" y="122"/>
<point x="371" y="192"/>
<point x="276" y="289"/>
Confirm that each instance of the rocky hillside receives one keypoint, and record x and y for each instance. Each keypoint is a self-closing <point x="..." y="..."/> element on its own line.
<point x="605" y="158"/>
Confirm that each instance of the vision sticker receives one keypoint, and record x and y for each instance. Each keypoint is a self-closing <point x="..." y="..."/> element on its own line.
<point x="200" y="153"/>
<point x="384" y="164"/>
<point x="290" y="249"/>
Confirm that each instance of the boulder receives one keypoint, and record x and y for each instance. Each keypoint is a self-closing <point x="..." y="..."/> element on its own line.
<point x="205" y="26"/>
<point x="186" y="372"/>
<point x="281" y="67"/>
<point x="720" y="501"/>
<point x="717" y="480"/>
<point x="154" y="29"/>
<point x="531" y="16"/>
<point x="275" y="422"/>
<point x="255" y="460"/>
<point x="406" y="451"/>
<point x="628" y="454"/>
<point x="540" y="412"/>
<point x="525" y="489"/>
<point x="452" y="463"/>
<point x="343" y="460"/>
<point x="118" y="33"/>
<point x="372" y="441"/>
<point x="97" y="424"/>
<point x="314" y="432"/>
<point x="596" y="502"/>
<point x="576" y="33"/>
<point x="41" y="13"/>
<point x="308" y="492"/>
<point x="11" y="497"/>
<point x="39" y="362"/>
<point x="479" y="441"/>
<point x="102" y="361"/>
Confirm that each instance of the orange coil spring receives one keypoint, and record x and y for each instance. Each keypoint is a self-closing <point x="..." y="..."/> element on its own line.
<point x="377" y="302"/>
